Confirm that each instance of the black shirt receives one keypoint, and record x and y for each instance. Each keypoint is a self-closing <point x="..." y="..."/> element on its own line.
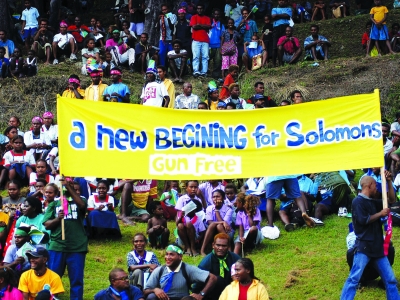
<point x="369" y="236"/>
<point x="138" y="16"/>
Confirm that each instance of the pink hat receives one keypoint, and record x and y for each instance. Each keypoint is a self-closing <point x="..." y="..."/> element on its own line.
<point x="48" y="115"/>
<point x="37" y="120"/>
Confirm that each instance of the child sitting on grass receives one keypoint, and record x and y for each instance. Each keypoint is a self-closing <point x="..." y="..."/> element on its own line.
<point x="16" y="64"/>
<point x="157" y="227"/>
<point x="30" y="64"/>
<point x="248" y="219"/>
<point x="379" y="31"/>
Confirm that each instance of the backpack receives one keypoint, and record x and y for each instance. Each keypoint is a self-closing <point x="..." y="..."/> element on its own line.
<point x="184" y="274"/>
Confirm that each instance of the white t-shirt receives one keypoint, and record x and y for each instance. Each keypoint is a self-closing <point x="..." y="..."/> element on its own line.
<point x="52" y="132"/>
<point x="33" y="178"/>
<point x="25" y="156"/>
<point x="62" y="39"/>
<point x="178" y="61"/>
<point x="153" y="94"/>
<point x="29" y="140"/>
<point x="93" y="202"/>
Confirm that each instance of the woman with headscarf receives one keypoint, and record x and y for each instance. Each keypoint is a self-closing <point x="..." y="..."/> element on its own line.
<point x="246" y="286"/>
<point x="74" y="88"/>
<point x="50" y="128"/>
<point x="36" y="141"/>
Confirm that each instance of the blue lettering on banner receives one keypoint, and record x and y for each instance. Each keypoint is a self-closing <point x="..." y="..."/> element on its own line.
<point x="119" y="139"/>
<point x="212" y="135"/>
<point x="337" y="134"/>
<point x="78" y="139"/>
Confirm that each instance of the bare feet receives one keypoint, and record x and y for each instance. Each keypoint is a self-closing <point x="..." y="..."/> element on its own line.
<point x="203" y="254"/>
<point x="309" y="222"/>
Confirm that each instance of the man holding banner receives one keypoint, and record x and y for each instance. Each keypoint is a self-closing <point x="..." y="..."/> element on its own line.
<point x="367" y="213"/>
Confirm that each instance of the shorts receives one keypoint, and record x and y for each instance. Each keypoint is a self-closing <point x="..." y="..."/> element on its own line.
<point x="135" y="211"/>
<point x="327" y="202"/>
<point x="278" y="32"/>
<point x="291" y="185"/>
<point x="258" y="240"/>
<point x="381" y="34"/>
<point x="41" y="50"/>
<point x="286" y="205"/>
<point x="137" y="28"/>
<point x="287" y="57"/>
<point x="29" y="33"/>
<point x="229" y="60"/>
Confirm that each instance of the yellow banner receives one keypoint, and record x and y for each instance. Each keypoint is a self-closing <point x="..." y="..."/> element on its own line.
<point x="117" y="140"/>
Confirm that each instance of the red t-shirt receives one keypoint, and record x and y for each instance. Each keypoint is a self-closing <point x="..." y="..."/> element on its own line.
<point x="77" y="35"/>
<point x="200" y="35"/>
<point x="224" y="91"/>
<point x="243" y="292"/>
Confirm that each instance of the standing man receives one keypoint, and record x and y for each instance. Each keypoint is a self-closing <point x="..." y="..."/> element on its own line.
<point x="367" y="212"/>
<point x="117" y="92"/>
<point x="219" y="263"/>
<point x="96" y="90"/>
<point x="136" y="11"/>
<point x="173" y="280"/>
<point x="71" y="252"/>
<point x="32" y="282"/>
<point x="217" y="28"/>
<point x="169" y="86"/>
<point x="167" y="28"/>
<point x="200" y="24"/>
<point x="30" y="16"/>
<point x="187" y="100"/>
<point x="119" y="288"/>
<point x="42" y="42"/>
<point x="281" y="16"/>
<point x="154" y="93"/>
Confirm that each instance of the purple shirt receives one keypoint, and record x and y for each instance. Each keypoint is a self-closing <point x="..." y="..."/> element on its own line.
<point x="224" y="211"/>
<point x="207" y="189"/>
<point x="243" y="219"/>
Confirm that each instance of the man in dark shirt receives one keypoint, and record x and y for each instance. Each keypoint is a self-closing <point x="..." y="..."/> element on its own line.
<point x="144" y="52"/>
<point x="258" y="99"/>
<point x="219" y="263"/>
<point x="367" y="213"/>
<point x="42" y="41"/>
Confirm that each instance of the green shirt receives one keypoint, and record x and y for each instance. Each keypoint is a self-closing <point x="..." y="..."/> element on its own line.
<point x="36" y="221"/>
<point x="75" y="235"/>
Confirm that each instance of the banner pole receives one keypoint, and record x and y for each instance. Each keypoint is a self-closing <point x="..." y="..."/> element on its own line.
<point x="384" y="189"/>
<point x="62" y="206"/>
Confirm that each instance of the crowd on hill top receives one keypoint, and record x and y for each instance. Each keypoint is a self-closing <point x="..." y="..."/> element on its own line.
<point x="217" y="219"/>
<point x="192" y="35"/>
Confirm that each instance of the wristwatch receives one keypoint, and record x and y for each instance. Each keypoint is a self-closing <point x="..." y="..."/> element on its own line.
<point x="202" y="293"/>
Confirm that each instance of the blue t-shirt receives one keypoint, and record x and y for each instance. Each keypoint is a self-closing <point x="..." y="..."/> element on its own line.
<point x="6" y="60"/>
<point x="217" y="28"/>
<point x="254" y="51"/>
<point x="118" y="88"/>
<point x="279" y="11"/>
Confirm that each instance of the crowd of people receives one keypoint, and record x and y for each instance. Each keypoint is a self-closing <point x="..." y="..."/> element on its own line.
<point x="217" y="219"/>
<point x="46" y="230"/>
<point x="189" y="40"/>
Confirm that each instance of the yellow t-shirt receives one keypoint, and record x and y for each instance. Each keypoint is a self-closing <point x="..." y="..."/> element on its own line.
<point x="213" y="105"/>
<point x="4" y="217"/>
<point x="169" y="86"/>
<point x="142" y="190"/>
<point x="71" y="94"/>
<point x="89" y="92"/>
<point x="32" y="284"/>
<point x="379" y="13"/>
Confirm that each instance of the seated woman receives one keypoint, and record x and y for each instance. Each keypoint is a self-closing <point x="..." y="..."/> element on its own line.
<point x="36" y="141"/>
<point x="246" y="286"/>
<point x="190" y="226"/>
<point x="39" y="186"/>
<point x="5" y="146"/>
<point x="90" y="57"/>
<point x="19" y="162"/>
<point x="248" y="220"/>
<point x="251" y="51"/>
<point x="14" y="194"/>
<point x="102" y="221"/>
<point x="50" y="128"/>
<point x="41" y="168"/>
<point x="140" y="262"/>
<point x="218" y="218"/>
<point x="32" y="215"/>
<point x="14" y="121"/>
